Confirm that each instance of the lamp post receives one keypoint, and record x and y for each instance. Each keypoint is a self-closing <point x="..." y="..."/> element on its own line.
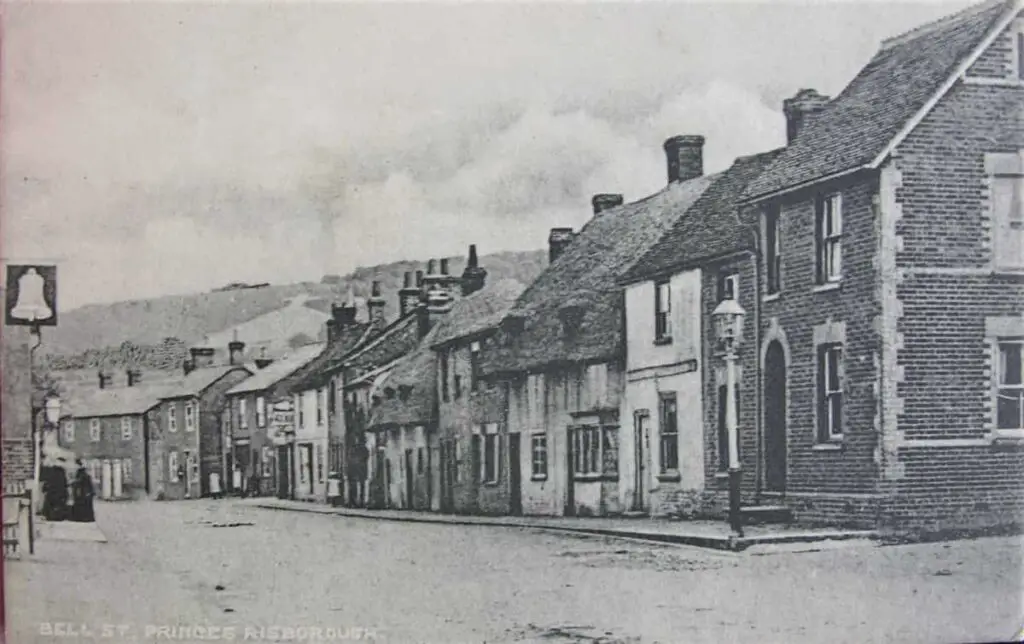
<point x="728" y="316"/>
<point x="289" y="437"/>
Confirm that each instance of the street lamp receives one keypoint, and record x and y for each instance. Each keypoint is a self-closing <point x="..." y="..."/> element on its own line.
<point x="289" y="438"/>
<point x="728" y="317"/>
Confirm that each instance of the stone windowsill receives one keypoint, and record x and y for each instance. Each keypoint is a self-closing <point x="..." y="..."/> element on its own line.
<point x="827" y="287"/>
<point x="589" y="478"/>
<point x="663" y="340"/>
<point x="669" y="477"/>
<point x="771" y="297"/>
<point x="539" y="477"/>
<point x="831" y="446"/>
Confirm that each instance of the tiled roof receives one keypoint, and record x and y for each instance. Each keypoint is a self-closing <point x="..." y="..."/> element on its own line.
<point x="710" y="228"/>
<point x="400" y="338"/>
<point x="408" y="394"/>
<point x="120" y="401"/>
<point x="315" y="372"/>
<point x="278" y="370"/>
<point x="857" y="125"/>
<point x="478" y="312"/>
<point x="198" y="380"/>
<point x="584" y="277"/>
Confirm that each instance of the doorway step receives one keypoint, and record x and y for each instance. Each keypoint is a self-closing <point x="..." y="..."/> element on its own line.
<point x="765" y="514"/>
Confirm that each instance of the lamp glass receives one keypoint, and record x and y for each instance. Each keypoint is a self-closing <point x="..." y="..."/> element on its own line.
<point x="51" y="407"/>
<point x="728" y="316"/>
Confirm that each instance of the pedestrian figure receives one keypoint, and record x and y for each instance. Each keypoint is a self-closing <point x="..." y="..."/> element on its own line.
<point x="82" y="510"/>
<point x="236" y="481"/>
<point x="55" y="493"/>
<point x="215" y="490"/>
<point x="254" y="485"/>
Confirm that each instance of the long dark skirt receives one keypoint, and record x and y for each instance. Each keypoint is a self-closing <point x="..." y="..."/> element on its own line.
<point x="82" y="510"/>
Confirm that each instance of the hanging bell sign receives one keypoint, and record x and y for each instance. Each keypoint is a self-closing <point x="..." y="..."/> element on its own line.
<point x="31" y="295"/>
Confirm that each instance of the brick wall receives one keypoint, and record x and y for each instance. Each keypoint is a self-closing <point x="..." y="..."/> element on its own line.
<point x="111" y="444"/>
<point x="947" y="472"/>
<point x="829" y="481"/>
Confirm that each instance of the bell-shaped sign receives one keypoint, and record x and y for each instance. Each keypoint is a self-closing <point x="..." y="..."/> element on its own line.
<point x="31" y="296"/>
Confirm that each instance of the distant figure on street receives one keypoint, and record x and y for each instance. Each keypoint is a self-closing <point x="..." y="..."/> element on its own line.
<point x="236" y="481"/>
<point x="82" y="493"/>
<point x="254" y="485"/>
<point x="55" y="493"/>
<point x="215" y="490"/>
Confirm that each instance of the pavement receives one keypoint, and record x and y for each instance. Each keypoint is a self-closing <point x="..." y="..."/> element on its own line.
<point x="197" y="571"/>
<point x="704" y="534"/>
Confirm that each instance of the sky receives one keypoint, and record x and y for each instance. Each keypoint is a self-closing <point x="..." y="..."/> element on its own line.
<point x="167" y="148"/>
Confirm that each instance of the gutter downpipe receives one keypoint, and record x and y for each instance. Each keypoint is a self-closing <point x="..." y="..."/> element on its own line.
<point x="759" y="421"/>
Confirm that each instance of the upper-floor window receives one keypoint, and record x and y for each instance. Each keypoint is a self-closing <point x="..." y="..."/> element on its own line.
<point x="190" y="416"/>
<point x="662" y="312"/>
<point x="443" y="362"/>
<point x="321" y="404"/>
<point x="830" y="392"/>
<point x="172" y="417"/>
<point x="772" y="251"/>
<point x="1008" y="219"/>
<point x="728" y="286"/>
<point x="68" y="429"/>
<point x="538" y="456"/>
<point x="829" y="238"/>
<point x="126" y="428"/>
<point x="668" y="432"/>
<point x="173" y="468"/>
<point x="1010" y="386"/>
<point x="94" y="429"/>
<point x="474" y="366"/>
<point x="1019" y="57"/>
<point x="243" y="416"/>
<point x="300" y="407"/>
<point x="261" y="411"/>
<point x="490" y="459"/>
<point x="332" y="397"/>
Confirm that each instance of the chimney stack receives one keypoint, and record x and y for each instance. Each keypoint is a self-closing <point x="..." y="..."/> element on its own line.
<point x="473" y="277"/>
<point x="409" y="296"/>
<point x="236" y="350"/>
<point x="201" y="357"/>
<point x="604" y="202"/>
<point x="558" y="241"/>
<point x="376" y="306"/>
<point x="685" y="156"/>
<point x="263" y="361"/>
<point x="797" y="109"/>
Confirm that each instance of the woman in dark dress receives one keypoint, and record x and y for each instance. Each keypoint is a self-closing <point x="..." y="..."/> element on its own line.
<point x="55" y="493"/>
<point x="82" y="510"/>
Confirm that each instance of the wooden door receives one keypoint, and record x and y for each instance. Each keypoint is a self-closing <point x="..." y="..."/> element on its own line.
<point x="775" y="445"/>
<point x="515" y="468"/>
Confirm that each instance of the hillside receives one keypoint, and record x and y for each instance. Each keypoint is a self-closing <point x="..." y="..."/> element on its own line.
<point x="155" y="333"/>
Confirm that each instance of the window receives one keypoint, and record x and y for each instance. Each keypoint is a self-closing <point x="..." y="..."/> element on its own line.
<point x="419" y="460"/>
<point x="321" y="403"/>
<point x="190" y="416"/>
<point x="662" y="311"/>
<point x="1010" y="387"/>
<point x="457" y="388"/>
<point x="126" y="470"/>
<point x="830" y="393"/>
<point x="773" y="251"/>
<point x="491" y="455"/>
<point x="94" y="429"/>
<point x="1020" y="52"/>
<point x="445" y="396"/>
<point x="243" y="408"/>
<point x="172" y="466"/>
<point x="1008" y="220"/>
<point x="68" y="427"/>
<point x="595" y="450"/>
<point x="829" y="238"/>
<point x="457" y="449"/>
<point x="300" y="399"/>
<point x="332" y="397"/>
<point x="304" y="465"/>
<point x="172" y="417"/>
<point x="267" y="468"/>
<point x="728" y="286"/>
<point x="474" y="366"/>
<point x="538" y="456"/>
<point x="261" y="411"/>
<point x="668" y="432"/>
<point x="723" y="428"/>
<point x="126" y="428"/>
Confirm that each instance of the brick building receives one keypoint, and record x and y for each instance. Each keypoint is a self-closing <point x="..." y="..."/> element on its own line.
<point x="480" y="462"/>
<point x="186" y="435"/>
<point x="109" y="430"/>
<point x="249" y="425"/>
<point x="891" y="315"/>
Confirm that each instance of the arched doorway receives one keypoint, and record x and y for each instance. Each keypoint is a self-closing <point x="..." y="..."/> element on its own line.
<point x="775" y="418"/>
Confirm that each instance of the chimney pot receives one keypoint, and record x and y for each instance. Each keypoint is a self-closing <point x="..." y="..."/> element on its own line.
<point x="473" y="276"/>
<point x="419" y="278"/>
<point x="685" y="157"/>
<point x="558" y="241"/>
<point x="472" y="262"/>
<point x="409" y="296"/>
<point x="797" y="109"/>
<point x="444" y="266"/>
<point x="376" y="306"/>
<point x="432" y="267"/>
<point x="407" y="279"/>
<point x="236" y="350"/>
<point x="604" y="202"/>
